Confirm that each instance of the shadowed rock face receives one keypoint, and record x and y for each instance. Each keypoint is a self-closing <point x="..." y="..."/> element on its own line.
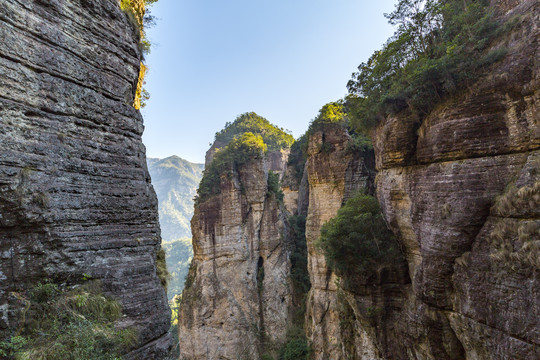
<point x="75" y="195"/>
<point x="357" y="323"/>
<point x="438" y="184"/>
<point x="237" y="296"/>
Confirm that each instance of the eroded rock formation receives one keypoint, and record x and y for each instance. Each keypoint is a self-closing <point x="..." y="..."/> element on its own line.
<point x="461" y="192"/>
<point x="75" y="194"/>
<point x="237" y="298"/>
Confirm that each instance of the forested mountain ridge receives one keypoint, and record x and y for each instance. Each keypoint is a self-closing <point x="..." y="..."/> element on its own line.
<point x="175" y="181"/>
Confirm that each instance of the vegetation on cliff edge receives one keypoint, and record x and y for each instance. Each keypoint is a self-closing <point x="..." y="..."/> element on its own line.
<point x="238" y="152"/>
<point x="248" y="137"/>
<point x="334" y="114"/>
<point x="73" y="323"/>
<point x="274" y="137"/>
<point x="438" y="48"/>
<point x="139" y="15"/>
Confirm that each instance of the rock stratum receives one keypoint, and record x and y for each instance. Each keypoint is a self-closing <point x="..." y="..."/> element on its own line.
<point x="237" y="296"/>
<point x="75" y="194"/>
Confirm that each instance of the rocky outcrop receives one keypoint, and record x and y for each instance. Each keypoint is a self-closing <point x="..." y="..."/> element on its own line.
<point x="75" y="195"/>
<point x="237" y="298"/>
<point x="461" y="191"/>
<point x="335" y="172"/>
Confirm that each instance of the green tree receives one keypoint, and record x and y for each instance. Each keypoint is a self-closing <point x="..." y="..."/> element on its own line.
<point x="439" y="47"/>
<point x="239" y="151"/>
<point x="357" y="241"/>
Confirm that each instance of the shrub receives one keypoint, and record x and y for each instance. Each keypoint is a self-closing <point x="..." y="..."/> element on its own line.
<point x="357" y="241"/>
<point x="331" y="114"/>
<point x="161" y="268"/>
<point x="73" y="324"/>
<point x="438" y="48"/>
<point x="138" y="12"/>
<point x="275" y="138"/>
<point x="299" y="270"/>
<point x="274" y="186"/>
<point x="239" y="151"/>
<point x="298" y="156"/>
<point x="296" y="347"/>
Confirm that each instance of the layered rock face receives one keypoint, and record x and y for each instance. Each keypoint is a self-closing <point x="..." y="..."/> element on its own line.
<point x="75" y="194"/>
<point x="345" y="324"/>
<point x="462" y="192"/>
<point x="237" y="298"/>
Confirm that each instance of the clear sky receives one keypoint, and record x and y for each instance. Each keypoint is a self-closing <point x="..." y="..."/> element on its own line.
<point x="212" y="60"/>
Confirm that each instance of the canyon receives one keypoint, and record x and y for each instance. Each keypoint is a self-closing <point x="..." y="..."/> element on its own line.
<point x="459" y="188"/>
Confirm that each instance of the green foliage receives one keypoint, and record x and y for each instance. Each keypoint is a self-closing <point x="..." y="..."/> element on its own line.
<point x="275" y="138"/>
<point x="296" y="347"/>
<point x="359" y="142"/>
<point x="44" y="292"/>
<point x="73" y="324"/>
<point x="298" y="156"/>
<point x="299" y="265"/>
<point x="274" y="186"/>
<point x="331" y="114"/>
<point x="438" y="48"/>
<point x="161" y="268"/>
<point x="178" y="255"/>
<point x="12" y="346"/>
<point x="357" y="241"/>
<point x="239" y="151"/>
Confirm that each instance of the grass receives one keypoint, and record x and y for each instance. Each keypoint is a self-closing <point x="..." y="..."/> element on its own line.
<point x="73" y="324"/>
<point x="515" y="238"/>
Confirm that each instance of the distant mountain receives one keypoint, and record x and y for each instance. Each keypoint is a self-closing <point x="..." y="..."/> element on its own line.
<point x="175" y="181"/>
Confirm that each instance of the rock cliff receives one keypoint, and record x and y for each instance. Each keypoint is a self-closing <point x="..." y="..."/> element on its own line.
<point x="75" y="194"/>
<point x="237" y="296"/>
<point x="460" y="190"/>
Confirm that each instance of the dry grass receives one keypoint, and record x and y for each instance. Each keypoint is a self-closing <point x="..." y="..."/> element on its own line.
<point x="517" y="200"/>
<point x="516" y="237"/>
<point x="517" y="243"/>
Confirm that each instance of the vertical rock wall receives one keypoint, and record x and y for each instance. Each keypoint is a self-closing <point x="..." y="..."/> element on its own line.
<point x="75" y="194"/>
<point x="237" y="297"/>
<point x="461" y="190"/>
<point x="334" y="173"/>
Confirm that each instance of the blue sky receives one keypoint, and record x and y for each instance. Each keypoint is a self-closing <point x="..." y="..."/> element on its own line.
<point x="212" y="60"/>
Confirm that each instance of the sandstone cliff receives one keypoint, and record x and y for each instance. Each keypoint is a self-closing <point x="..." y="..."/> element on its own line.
<point x="461" y="190"/>
<point x="237" y="298"/>
<point x="75" y="194"/>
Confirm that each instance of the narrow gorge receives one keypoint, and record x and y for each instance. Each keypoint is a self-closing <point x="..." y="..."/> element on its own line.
<point x="403" y="225"/>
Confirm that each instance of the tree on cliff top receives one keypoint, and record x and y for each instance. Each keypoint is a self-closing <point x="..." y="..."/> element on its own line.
<point x="439" y="47"/>
<point x="275" y="138"/>
<point x="239" y="151"/>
